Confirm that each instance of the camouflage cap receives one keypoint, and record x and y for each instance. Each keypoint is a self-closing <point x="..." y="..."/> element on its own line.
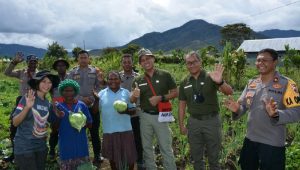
<point x="143" y="52"/>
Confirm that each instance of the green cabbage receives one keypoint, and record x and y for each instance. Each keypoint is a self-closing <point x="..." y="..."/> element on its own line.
<point x="120" y="106"/>
<point x="77" y="120"/>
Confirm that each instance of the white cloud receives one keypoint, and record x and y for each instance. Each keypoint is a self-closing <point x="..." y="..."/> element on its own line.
<point x="116" y="22"/>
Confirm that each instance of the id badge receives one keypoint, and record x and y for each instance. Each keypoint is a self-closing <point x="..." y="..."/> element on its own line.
<point x="165" y="117"/>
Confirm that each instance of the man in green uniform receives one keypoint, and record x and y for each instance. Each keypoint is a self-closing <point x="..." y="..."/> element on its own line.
<point x="165" y="89"/>
<point x="198" y="91"/>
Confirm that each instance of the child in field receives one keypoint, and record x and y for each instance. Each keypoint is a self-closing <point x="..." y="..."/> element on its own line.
<point x="73" y="143"/>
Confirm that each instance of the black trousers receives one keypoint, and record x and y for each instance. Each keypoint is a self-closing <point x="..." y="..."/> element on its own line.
<point x="261" y="156"/>
<point x="135" y="123"/>
<point x="32" y="161"/>
<point x="12" y="128"/>
<point x="94" y="131"/>
<point x="53" y="140"/>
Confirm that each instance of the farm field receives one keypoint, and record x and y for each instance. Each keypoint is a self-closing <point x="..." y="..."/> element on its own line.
<point x="233" y="131"/>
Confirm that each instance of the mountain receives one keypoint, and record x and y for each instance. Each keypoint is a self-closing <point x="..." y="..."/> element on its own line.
<point x="11" y="49"/>
<point x="276" y="33"/>
<point x="192" y="35"/>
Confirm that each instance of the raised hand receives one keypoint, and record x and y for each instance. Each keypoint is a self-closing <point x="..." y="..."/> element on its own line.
<point x="29" y="97"/>
<point x="87" y="101"/>
<point x="271" y="107"/>
<point x="216" y="75"/>
<point x="19" y="57"/>
<point x="230" y="104"/>
<point x="136" y="92"/>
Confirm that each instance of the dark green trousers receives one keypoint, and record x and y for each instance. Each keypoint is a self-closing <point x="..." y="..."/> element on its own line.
<point x="205" y="140"/>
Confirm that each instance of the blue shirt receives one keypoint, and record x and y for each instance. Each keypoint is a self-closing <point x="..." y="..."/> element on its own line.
<point x="112" y="120"/>
<point x="73" y="144"/>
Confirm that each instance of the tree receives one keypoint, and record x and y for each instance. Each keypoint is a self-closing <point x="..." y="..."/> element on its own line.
<point x="208" y="55"/>
<point x="238" y="67"/>
<point x="75" y="52"/>
<point x="295" y="59"/>
<point x="56" y="50"/>
<point x="131" y="49"/>
<point x="110" y="50"/>
<point x="236" y="34"/>
<point x="178" y="54"/>
<point x="287" y="59"/>
<point x="227" y="61"/>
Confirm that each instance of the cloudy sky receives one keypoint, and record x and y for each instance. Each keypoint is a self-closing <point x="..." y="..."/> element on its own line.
<point x="103" y="23"/>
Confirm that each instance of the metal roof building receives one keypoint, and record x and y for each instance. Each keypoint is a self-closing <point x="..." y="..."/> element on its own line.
<point x="277" y="44"/>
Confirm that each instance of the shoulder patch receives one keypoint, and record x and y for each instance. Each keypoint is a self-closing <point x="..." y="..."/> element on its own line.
<point x="291" y="96"/>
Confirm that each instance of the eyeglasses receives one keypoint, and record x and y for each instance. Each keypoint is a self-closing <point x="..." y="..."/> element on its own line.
<point x="263" y="60"/>
<point x="192" y="63"/>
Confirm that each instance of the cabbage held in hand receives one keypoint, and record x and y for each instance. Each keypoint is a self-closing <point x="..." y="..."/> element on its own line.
<point x="120" y="106"/>
<point x="77" y="120"/>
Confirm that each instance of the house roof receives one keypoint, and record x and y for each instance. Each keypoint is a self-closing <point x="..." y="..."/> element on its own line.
<point x="274" y="43"/>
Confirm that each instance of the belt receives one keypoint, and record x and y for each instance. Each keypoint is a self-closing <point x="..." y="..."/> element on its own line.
<point x="151" y="112"/>
<point x="204" y="116"/>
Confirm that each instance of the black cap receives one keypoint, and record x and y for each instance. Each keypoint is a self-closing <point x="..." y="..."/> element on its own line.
<point x="42" y="74"/>
<point x="31" y="57"/>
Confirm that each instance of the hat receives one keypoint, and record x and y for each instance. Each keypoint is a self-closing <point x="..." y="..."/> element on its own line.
<point x="68" y="83"/>
<point x="143" y="52"/>
<point x="33" y="83"/>
<point x="60" y="60"/>
<point x="31" y="57"/>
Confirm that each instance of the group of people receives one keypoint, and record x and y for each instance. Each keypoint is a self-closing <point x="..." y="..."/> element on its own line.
<point x="272" y="100"/>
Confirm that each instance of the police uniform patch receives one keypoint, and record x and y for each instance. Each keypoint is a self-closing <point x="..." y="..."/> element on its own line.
<point x="291" y="95"/>
<point x="250" y="94"/>
<point x="249" y="98"/>
<point x="91" y="75"/>
<point x="294" y="87"/>
<point x="253" y="85"/>
<point x="76" y="76"/>
<point x="277" y="86"/>
<point x="257" y="80"/>
<point x="248" y="102"/>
